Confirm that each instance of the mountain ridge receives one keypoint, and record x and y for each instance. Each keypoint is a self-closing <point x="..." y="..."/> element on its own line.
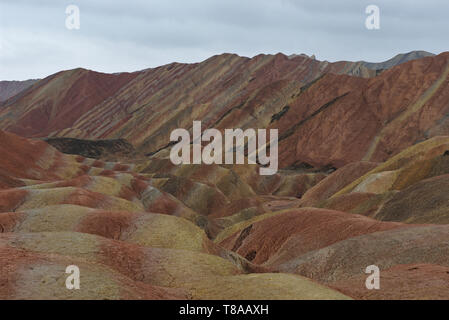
<point x="227" y="91"/>
<point x="362" y="180"/>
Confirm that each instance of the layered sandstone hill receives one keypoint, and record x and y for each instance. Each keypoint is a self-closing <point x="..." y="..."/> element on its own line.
<point x="324" y="117"/>
<point x="149" y="230"/>
<point x="393" y="215"/>
<point x="134" y="235"/>
<point x="363" y="180"/>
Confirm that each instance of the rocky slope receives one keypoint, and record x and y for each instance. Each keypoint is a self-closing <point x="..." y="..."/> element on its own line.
<point x="191" y="233"/>
<point x="363" y="180"/>
<point x="9" y="89"/>
<point x="125" y="230"/>
<point x="93" y="148"/>
<point x="313" y="104"/>
<point x="397" y="60"/>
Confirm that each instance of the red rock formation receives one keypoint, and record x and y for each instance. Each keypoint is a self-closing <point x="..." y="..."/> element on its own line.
<point x="293" y="233"/>
<point x="147" y="229"/>
<point x="361" y="118"/>
<point x="335" y="181"/>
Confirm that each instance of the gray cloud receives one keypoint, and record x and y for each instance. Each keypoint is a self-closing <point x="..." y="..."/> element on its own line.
<point x="136" y="34"/>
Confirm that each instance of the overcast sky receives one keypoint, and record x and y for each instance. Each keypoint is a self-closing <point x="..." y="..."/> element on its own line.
<point x="129" y="35"/>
